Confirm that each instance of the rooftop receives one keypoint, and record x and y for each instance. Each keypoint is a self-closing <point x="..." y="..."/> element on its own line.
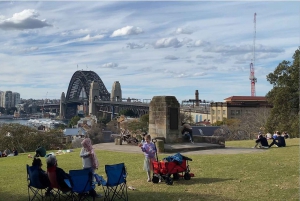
<point x="245" y="98"/>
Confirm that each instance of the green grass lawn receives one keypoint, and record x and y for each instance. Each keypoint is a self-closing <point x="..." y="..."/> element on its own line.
<point x="270" y="175"/>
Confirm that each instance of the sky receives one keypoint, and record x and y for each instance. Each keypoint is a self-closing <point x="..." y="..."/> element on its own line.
<point x="153" y="48"/>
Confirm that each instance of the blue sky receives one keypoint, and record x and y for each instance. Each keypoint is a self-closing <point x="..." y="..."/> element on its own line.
<point x="151" y="48"/>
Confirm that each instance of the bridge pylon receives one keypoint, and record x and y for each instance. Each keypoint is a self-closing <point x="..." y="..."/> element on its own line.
<point x="94" y="95"/>
<point x="62" y="105"/>
<point x="116" y="92"/>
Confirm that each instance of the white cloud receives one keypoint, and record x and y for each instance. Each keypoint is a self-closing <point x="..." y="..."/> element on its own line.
<point x="182" y="75"/>
<point x="199" y="43"/>
<point x="183" y="31"/>
<point x="128" y="30"/>
<point x="199" y="74"/>
<point x="110" y="65"/>
<point x="167" y="42"/>
<point x="27" y="19"/>
<point x="241" y="49"/>
<point x="87" y="38"/>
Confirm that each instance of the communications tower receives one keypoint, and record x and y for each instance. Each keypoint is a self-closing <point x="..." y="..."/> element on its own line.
<point x="252" y="77"/>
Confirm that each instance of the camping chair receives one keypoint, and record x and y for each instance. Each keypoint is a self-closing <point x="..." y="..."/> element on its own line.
<point x="36" y="191"/>
<point x="57" y="192"/>
<point x="81" y="183"/>
<point x="115" y="187"/>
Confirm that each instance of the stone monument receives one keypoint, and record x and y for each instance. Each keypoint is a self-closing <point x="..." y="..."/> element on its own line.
<point x="164" y="118"/>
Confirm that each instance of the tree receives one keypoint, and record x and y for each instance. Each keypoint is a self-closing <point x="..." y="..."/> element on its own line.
<point x="25" y="138"/>
<point x="128" y="113"/>
<point x="186" y="117"/>
<point x="73" y="121"/>
<point x="95" y="134"/>
<point x="137" y="126"/>
<point x="284" y="96"/>
<point x="11" y="110"/>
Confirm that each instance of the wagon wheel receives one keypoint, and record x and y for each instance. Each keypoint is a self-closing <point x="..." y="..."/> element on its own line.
<point x="175" y="176"/>
<point x="187" y="176"/>
<point x="155" y="179"/>
<point x="169" y="181"/>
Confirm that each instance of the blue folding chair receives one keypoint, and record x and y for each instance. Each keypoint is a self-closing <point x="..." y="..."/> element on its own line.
<point x="115" y="187"/>
<point x="36" y="191"/>
<point x="81" y="183"/>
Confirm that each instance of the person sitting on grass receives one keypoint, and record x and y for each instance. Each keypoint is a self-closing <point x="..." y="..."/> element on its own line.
<point x="279" y="141"/>
<point x="187" y="128"/>
<point x="262" y="142"/>
<point x="40" y="152"/>
<point x="56" y="175"/>
<point x="15" y="151"/>
<point x="40" y="175"/>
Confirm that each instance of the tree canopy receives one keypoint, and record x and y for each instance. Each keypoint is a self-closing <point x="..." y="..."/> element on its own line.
<point x="285" y="97"/>
<point x="73" y="121"/>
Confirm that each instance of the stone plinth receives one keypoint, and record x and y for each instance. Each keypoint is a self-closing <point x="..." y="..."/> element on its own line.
<point x="164" y="118"/>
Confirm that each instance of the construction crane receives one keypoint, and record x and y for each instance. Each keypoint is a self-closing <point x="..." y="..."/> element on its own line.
<point x="252" y="77"/>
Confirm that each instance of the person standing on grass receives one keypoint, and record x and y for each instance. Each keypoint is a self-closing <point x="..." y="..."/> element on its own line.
<point x="149" y="150"/>
<point x="279" y="141"/>
<point x="89" y="160"/>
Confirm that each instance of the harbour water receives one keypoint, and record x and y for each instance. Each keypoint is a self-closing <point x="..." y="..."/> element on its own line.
<point x="8" y="121"/>
<point x="20" y="121"/>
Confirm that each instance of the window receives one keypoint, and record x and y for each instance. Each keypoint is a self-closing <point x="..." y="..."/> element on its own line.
<point x="232" y="112"/>
<point x="219" y="112"/>
<point x="224" y="112"/>
<point x="218" y="118"/>
<point x="238" y="112"/>
<point x="212" y="112"/>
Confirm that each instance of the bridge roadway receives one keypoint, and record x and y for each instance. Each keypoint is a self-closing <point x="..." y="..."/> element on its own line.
<point x="115" y="103"/>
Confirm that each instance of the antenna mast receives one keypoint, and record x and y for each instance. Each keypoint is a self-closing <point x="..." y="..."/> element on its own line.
<point x="252" y="76"/>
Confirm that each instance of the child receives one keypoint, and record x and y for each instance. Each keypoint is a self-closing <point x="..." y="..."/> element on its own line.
<point x="143" y="138"/>
<point x="89" y="161"/>
<point x="149" y="151"/>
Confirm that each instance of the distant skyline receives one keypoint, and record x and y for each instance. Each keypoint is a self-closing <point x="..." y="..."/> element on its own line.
<point x="152" y="48"/>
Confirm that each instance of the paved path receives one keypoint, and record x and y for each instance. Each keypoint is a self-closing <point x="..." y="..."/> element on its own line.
<point x="136" y="149"/>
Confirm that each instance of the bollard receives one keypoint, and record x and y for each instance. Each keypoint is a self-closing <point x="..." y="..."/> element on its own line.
<point x="118" y="141"/>
<point x="160" y="146"/>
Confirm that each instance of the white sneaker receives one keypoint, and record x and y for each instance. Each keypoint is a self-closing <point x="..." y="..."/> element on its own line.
<point x="148" y="180"/>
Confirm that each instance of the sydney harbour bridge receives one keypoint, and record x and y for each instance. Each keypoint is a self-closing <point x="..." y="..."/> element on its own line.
<point x="87" y="89"/>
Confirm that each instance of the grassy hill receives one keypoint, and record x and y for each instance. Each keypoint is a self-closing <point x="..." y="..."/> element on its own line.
<point x="270" y="175"/>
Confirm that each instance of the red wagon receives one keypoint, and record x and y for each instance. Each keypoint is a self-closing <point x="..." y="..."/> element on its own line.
<point x="165" y="169"/>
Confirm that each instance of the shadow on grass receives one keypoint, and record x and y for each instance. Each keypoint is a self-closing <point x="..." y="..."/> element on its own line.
<point x="201" y="180"/>
<point x="137" y="195"/>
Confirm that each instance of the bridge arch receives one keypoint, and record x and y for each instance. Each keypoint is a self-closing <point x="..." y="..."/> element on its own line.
<point x="82" y="80"/>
